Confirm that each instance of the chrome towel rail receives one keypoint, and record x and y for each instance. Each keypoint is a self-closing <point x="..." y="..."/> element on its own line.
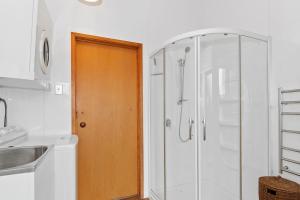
<point x="290" y="131"/>
<point x="289" y="91"/>
<point x="291" y="160"/>
<point x="290" y="102"/>
<point x="282" y="131"/>
<point x="291" y="172"/>
<point x="291" y="149"/>
<point x="290" y="113"/>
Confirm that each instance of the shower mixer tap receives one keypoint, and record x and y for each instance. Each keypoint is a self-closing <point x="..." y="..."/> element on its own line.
<point x="191" y="123"/>
<point x="180" y="101"/>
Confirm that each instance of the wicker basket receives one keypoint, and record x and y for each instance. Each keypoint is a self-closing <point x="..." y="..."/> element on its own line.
<point x="277" y="188"/>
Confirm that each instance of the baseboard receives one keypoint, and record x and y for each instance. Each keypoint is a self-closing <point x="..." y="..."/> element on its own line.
<point x="134" y="197"/>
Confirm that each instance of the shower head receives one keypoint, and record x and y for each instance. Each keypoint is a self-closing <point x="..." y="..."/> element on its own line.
<point x="187" y="49"/>
<point x="183" y="60"/>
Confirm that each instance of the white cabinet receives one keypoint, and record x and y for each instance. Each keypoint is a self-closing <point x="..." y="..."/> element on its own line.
<point x="16" y="39"/>
<point x="19" y="186"/>
<point x="36" y="185"/>
<point x="20" y="42"/>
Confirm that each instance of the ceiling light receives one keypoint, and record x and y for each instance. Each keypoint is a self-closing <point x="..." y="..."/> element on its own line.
<point x="91" y="2"/>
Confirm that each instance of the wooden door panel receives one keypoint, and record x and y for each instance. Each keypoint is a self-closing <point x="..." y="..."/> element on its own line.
<point x="107" y="100"/>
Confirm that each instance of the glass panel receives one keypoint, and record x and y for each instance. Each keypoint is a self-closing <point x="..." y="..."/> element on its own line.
<point x="220" y="116"/>
<point x="181" y="140"/>
<point x="157" y="167"/>
<point x="254" y="72"/>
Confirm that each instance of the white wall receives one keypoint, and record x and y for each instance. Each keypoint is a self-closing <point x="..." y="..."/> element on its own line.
<point x="284" y="27"/>
<point x="148" y="22"/>
<point x="250" y="15"/>
<point x="151" y="23"/>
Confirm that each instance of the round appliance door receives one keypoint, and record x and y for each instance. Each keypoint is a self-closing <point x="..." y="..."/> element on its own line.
<point x="44" y="50"/>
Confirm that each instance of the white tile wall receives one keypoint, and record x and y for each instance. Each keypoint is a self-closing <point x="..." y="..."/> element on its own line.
<point x="25" y="108"/>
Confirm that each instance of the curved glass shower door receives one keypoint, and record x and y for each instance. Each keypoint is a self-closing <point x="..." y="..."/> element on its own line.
<point x="209" y="120"/>
<point x="180" y="112"/>
<point x="220" y="117"/>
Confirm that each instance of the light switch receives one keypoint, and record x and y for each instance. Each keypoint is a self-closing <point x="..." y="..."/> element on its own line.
<point x="59" y="89"/>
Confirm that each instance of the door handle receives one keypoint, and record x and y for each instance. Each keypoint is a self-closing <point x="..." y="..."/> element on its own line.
<point x="191" y="123"/>
<point x="82" y="124"/>
<point x="204" y="128"/>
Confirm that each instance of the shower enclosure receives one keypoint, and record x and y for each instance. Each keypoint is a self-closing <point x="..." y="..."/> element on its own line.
<point x="209" y="118"/>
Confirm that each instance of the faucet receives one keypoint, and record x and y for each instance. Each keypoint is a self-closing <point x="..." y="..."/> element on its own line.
<point x="5" y="114"/>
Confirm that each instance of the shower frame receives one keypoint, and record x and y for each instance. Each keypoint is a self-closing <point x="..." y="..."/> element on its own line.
<point x="197" y="34"/>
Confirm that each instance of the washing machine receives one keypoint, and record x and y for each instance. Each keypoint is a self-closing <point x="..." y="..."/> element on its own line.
<point x="65" y="157"/>
<point x="44" y="42"/>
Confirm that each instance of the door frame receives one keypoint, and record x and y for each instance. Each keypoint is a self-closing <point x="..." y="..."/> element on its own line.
<point x="77" y="37"/>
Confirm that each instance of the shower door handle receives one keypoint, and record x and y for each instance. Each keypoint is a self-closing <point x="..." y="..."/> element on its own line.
<point x="204" y="128"/>
<point x="168" y="123"/>
<point x="191" y="123"/>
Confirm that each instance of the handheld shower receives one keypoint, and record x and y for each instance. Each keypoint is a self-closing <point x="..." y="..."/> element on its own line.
<point x="182" y="64"/>
<point x="182" y="61"/>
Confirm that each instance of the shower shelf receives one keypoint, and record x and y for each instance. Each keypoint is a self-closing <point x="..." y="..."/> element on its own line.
<point x="229" y="147"/>
<point x="282" y="132"/>
<point x="227" y="100"/>
<point x="228" y="124"/>
<point x="231" y="165"/>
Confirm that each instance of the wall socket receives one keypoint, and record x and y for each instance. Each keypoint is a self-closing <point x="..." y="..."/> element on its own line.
<point x="61" y="88"/>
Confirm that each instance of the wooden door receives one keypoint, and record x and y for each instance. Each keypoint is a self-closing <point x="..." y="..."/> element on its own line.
<point x="107" y="116"/>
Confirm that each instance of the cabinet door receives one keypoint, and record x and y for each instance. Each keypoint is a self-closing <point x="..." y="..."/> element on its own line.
<point x="16" y="22"/>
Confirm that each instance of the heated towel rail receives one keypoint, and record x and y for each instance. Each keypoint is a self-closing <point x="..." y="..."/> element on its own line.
<point x="282" y="102"/>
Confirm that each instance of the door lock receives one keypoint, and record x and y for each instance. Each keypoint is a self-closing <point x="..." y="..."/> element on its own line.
<point x="82" y="124"/>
